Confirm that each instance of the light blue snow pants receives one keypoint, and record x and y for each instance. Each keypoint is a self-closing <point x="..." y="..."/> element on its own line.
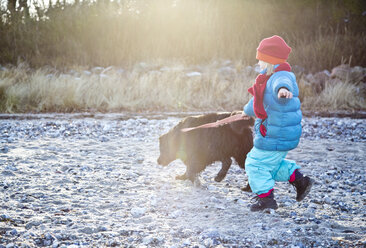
<point x="264" y="168"/>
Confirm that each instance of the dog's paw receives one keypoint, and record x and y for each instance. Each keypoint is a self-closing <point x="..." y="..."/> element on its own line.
<point x="181" y="177"/>
<point x="247" y="188"/>
<point x="219" y="178"/>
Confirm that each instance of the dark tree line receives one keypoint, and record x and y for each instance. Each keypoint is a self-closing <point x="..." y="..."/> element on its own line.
<point x="106" y="32"/>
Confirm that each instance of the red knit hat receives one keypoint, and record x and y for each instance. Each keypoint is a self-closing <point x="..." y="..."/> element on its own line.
<point x="273" y="50"/>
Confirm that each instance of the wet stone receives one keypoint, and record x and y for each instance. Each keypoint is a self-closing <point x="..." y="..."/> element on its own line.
<point x="13" y="232"/>
<point x="100" y="182"/>
<point x="87" y="230"/>
<point x="7" y="173"/>
<point x="32" y="224"/>
<point x="4" y="149"/>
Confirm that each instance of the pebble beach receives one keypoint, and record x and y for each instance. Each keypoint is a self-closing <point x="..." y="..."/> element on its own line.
<point x="92" y="180"/>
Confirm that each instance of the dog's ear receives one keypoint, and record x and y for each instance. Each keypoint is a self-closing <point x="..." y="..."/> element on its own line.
<point x="250" y="121"/>
<point x="241" y="126"/>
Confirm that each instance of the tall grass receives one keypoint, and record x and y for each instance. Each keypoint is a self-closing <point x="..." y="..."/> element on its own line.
<point x="173" y="37"/>
<point x="337" y="96"/>
<point x="136" y="90"/>
<point x="153" y="88"/>
<point x="322" y="33"/>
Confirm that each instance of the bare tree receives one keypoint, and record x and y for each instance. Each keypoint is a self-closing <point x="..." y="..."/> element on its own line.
<point x="11" y="5"/>
<point x="18" y="6"/>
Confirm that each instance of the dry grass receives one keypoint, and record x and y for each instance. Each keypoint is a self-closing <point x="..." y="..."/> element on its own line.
<point x="338" y="96"/>
<point x="134" y="90"/>
<point x="152" y="87"/>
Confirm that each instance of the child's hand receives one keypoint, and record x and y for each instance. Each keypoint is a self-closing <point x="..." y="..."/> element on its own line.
<point x="284" y="93"/>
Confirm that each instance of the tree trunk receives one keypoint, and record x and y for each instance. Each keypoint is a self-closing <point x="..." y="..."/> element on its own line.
<point x="11" y="6"/>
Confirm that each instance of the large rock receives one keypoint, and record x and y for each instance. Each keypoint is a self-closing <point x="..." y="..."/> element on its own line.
<point x="319" y="80"/>
<point x="358" y="74"/>
<point x="306" y="88"/>
<point x="341" y="72"/>
<point x="315" y="83"/>
<point x="298" y="70"/>
<point x="346" y="73"/>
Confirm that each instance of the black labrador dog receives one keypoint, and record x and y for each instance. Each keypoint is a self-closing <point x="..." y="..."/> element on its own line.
<point x="201" y="147"/>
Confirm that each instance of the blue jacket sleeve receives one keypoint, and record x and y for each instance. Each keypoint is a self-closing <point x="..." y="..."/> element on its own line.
<point x="282" y="82"/>
<point x="248" y="108"/>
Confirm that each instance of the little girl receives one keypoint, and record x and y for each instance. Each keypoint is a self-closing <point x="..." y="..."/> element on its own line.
<point x="276" y="105"/>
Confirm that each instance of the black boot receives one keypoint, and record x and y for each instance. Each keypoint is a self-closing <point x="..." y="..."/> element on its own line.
<point x="264" y="203"/>
<point x="302" y="185"/>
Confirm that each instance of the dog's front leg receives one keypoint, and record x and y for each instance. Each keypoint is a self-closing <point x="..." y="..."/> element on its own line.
<point x="226" y="163"/>
<point x="192" y="174"/>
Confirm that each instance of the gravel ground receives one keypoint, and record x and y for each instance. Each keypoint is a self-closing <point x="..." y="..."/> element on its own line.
<point x="92" y="181"/>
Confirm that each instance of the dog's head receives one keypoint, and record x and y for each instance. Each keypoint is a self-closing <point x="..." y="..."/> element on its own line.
<point x="169" y="145"/>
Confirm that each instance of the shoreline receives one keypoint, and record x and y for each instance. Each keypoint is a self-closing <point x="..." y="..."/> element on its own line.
<point x="123" y="115"/>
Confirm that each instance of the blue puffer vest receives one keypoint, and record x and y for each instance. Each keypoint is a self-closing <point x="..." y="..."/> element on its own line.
<point x="284" y="115"/>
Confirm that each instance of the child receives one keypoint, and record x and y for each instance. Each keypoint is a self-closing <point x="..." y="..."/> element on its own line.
<point x="276" y="105"/>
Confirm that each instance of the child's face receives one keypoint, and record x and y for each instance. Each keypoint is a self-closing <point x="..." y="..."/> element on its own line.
<point x="262" y="65"/>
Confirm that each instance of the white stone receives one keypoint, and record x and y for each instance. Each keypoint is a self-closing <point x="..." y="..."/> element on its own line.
<point x="187" y="242"/>
<point x="219" y="206"/>
<point x="147" y="240"/>
<point x="193" y="74"/>
<point x="138" y="212"/>
<point x="103" y="76"/>
<point x="211" y="187"/>
<point x="176" y="213"/>
<point x="97" y="69"/>
<point x="153" y="202"/>
<point x="208" y="242"/>
<point x="87" y="73"/>
<point x="55" y="244"/>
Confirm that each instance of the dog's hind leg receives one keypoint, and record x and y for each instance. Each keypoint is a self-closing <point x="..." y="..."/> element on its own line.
<point x="226" y="163"/>
<point x="247" y="188"/>
<point x="241" y="160"/>
<point x="182" y="177"/>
